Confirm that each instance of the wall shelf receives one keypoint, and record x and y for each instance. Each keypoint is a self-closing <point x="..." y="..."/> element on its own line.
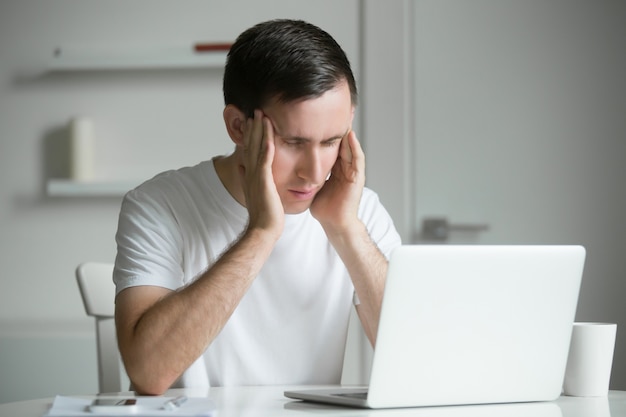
<point x="111" y="58"/>
<point x="140" y="58"/>
<point x="70" y="188"/>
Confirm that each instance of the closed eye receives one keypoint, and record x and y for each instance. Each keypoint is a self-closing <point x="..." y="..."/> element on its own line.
<point x="297" y="142"/>
<point x="294" y="142"/>
<point x="331" y="142"/>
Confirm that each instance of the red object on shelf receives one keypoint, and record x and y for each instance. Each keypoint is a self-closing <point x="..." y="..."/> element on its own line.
<point x="212" y="47"/>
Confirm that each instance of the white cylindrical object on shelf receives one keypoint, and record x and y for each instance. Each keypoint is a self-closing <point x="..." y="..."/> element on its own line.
<point x="82" y="149"/>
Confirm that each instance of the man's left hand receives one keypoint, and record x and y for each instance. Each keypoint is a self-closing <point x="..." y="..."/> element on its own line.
<point x="336" y="205"/>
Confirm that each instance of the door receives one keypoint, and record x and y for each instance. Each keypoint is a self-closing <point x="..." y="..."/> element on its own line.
<point x="509" y="118"/>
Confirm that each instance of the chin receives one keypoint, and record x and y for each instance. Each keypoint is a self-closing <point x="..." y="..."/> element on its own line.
<point x="296" y="208"/>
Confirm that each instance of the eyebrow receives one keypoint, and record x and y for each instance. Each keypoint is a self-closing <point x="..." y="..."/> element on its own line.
<point x="303" y="139"/>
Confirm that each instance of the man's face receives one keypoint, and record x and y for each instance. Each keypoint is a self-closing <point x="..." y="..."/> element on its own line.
<point x="307" y="137"/>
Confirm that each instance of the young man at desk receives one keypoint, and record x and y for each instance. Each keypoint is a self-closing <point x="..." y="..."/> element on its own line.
<point x="242" y="270"/>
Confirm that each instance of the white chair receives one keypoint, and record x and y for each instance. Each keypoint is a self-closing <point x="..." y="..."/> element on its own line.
<point x="95" y="281"/>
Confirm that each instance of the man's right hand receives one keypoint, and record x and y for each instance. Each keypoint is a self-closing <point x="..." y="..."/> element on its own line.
<point x="151" y="321"/>
<point x="262" y="199"/>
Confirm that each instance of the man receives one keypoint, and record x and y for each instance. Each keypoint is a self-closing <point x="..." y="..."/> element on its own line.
<point x="242" y="270"/>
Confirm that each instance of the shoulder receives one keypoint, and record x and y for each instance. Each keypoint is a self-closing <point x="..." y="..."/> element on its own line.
<point x="379" y="223"/>
<point x="369" y="201"/>
<point x="372" y="212"/>
<point x="173" y="180"/>
<point x="369" y="195"/>
<point x="170" y="187"/>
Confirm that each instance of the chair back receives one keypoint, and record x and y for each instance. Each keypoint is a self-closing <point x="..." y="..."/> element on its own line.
<point x="95" y="281"/>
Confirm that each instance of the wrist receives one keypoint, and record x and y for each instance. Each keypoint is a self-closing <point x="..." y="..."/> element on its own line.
<point x="343" y="232"/>
<point x="262" y="235"/>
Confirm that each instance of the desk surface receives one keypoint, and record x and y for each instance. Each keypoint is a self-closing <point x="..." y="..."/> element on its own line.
<point x="269" y="401"/>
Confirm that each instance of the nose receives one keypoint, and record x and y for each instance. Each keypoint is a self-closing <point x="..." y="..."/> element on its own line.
<point x="311" y="167"/>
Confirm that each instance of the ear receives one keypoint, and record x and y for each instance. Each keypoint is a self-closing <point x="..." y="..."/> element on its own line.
<point x="234" y="120"/>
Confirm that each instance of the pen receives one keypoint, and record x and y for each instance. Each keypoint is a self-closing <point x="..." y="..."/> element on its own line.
<point x="174" y="403"/>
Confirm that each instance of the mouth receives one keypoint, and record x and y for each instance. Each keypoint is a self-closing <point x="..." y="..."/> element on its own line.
<point x="303" y="194"/>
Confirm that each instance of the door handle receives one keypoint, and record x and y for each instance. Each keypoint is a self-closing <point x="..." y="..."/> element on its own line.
<point x="439" y="228"/>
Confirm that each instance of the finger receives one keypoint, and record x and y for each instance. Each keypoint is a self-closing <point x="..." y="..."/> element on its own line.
<point x="345" y="151"/>
<point x="268" y="140"/>
<point x="257" y="135"/>
<point x="247" y="133"/>
<point x="352" y="158"/>
<point x="253" y="136"/>
<point x="356" y="152"/>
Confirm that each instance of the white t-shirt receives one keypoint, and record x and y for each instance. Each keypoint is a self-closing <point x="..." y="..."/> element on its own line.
<point x="291" y="326"/>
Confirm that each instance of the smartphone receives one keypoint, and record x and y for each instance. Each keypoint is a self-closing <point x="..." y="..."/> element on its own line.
<point x="113" y="406"/>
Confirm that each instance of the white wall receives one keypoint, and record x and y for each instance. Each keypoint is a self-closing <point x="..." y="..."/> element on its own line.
<point x="155" y="120"/>
<point x="145" y="121"/>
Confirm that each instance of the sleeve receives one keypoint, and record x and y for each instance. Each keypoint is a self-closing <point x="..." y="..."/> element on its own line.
<point x="378" y="222"/>
<point x="148" y="243"/>
<point x="379" y="225"/>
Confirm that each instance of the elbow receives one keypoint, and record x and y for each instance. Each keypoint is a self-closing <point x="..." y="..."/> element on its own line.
<point x="149" y="388"/>
<point x="149" y="384"/>
<point x="147" y="378"/>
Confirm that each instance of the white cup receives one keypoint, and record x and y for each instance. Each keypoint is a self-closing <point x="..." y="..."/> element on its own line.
<point x="590" y="360"/>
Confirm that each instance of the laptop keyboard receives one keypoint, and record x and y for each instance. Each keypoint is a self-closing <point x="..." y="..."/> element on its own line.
<point x="359" y="395"/>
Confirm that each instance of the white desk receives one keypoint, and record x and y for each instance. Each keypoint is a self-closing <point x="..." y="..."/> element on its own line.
<point x="269" y="401"/>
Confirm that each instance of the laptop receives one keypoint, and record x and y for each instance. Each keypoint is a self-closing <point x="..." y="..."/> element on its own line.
<point x="469" y="324"/>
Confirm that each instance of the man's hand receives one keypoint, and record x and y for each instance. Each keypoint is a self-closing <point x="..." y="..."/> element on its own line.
<point x="336" y="208"/>
<point x="337" y="203"/>
<point x="262" y="200"/>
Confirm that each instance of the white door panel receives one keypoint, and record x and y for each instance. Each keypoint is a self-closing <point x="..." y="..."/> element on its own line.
<point x="509" y="115"/>
<point x="514" y="116"/>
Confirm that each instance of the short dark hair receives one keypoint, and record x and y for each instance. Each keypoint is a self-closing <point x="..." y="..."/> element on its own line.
<point x="284" y="59"/>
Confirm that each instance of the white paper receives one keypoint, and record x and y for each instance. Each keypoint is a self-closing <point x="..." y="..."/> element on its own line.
<point x="146" y="407"/>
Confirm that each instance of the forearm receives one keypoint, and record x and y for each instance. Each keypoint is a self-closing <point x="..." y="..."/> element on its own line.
<point x="367" y="267"/>
<point x="169" y="335"/>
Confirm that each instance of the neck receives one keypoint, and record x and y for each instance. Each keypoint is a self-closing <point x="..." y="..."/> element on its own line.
<point x="227" y="168"/>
